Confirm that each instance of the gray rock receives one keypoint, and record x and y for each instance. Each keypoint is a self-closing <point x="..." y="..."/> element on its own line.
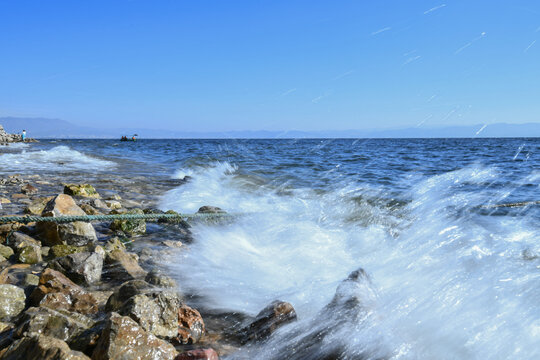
<point x="276" y="314"/>
<point x="82" y="268"/>
<point x="130" y="227"/>
<point x="122" y="265"/>
<point x="156" y="278"/>
<point x="28" y="250"/>
<point x="6" y="251"/>
<point x="43" y="348"/>
<point x="210" y="210"/>
<point x="12" y="301"/>
<point x="124" y="292"/>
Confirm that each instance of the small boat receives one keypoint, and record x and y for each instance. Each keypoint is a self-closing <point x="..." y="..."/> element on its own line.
<point x="125" y="138"/>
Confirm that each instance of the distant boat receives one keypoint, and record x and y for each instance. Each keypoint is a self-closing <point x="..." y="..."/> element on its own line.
<point x="133" y="138"/>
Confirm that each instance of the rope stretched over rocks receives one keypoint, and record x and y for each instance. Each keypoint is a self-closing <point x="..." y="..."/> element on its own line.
<point x="87" y="218"/>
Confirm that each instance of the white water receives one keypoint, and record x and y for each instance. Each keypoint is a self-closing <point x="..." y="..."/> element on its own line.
<point x="451" y="284"/>
<point x="58" y="158"/>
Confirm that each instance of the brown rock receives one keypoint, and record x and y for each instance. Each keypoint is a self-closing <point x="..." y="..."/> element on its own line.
<point x="29" y="189"/>
<point x="90" y="210"/>
<point x="198" y="354"/>
<point x="273" y="316"/>
<point x="73" y="233"/>
<point x="122" y="265"/>
<point x="37" y="206"/>
<point x="55" y="290"/>
<point x="122" y="338"/>
<point x="42" y="347"/>
<point x="190" y="325"/>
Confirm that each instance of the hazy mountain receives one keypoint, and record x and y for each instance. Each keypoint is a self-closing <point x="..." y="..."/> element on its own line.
<point x="55" y="128"/>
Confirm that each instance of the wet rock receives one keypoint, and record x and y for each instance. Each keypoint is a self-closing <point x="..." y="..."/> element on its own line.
<point x="27" y="249"/>
<point x="64" y="250"/>
<point x="4" y="200"/>
<point x="124" y="292"/>
<point x="74" y="233"/>
<point x="155" y="312"/>
<point x="31" y="280"/>
<point x="114" y="197"/>
<point x="277" y="314"/>
<point x="87" y="340"/>
<point x="6" y="251"/>
<point x="90" y="210"/>
<point x="122" y="338"/>
<point x="156" y="278"/>
<point x="29" y="189"/>
<point x="114" y="244"/>
<point x="13" y="274"/>
<point x="190" y="325"/>
<point x="113" y="204"/>
<point x="43" y="348"/>
<point x="82" y="268"/>
<point x="56" y="291"/>
<point x="12" y="301"/>
<point x="122" y="265"/>
<point x="2" y="259"/>
<point x="60" y="324"/>
<point x="84" y="190"/>
<point x="130" y="227"/>
<point x="210" y="210"/>
<point x="172" y="243"/>
<point x="198" y="354"/>
<point x="97" y="203"/>
<point x="37" y="206"/>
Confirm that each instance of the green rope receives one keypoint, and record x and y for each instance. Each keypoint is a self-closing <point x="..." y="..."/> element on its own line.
<point x="86" y="218"/>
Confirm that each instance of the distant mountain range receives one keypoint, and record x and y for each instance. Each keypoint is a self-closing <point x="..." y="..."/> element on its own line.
<point x="43" y="128"/>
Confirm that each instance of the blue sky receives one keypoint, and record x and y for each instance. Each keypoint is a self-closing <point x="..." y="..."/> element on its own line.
<point x="272" y="65"/>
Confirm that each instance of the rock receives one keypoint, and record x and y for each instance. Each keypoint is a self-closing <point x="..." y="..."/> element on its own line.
<point x="43" y="348"/>
<point x="198" y="354"/>
<point x="31" y="280"/>
<point x="114" y="197"/>
<point x="277" y="314"/>
<point x="56" y="291"/>
<point x="156" y="278"/>
<point x="4" y="200"/>
<point x="12" y="301"/>
<point x="84" y="190"/>
<point x="155" y="312"/>
<point x="45" y="251"/>
<point x="2" y="259"/>
<point x="97" y="203"/>
<point x="90" y="210"/>
<point x="28" y="250"/>
<point x="76" y="233"/>
<point x="6" y="251"/>
<point x="64" y="250"/>
<point x="172" y="243"/>
<point x="130" y="227"/>
<point x="122" y="265"/>
<point x="124" y="292"/>
<point x="178" y="221"/>
<point x="122" y="338"/>
<point x="190" y="325"/>
<point x="210" y="210"/>
<point x="5" y="326"/>
<point x="114" y="244"/>
<point x="29" y="189"/>
<point x="60" y="324"/>
<point x="19" y="196"/>
<point x="37" y="206"/>
<point x="82" y="268"/>
<point x="113" y="204"/>
<point x="14" y="274"/>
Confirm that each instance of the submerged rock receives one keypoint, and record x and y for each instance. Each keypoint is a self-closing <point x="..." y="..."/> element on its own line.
<point x="82" y="267"/>
<point x="210" y="210"/>
<point x="76" y="233"/>
<point x="29" y="189"/>
<point x="84" y="190"/>
<point x="56" y="291"/>
<point x="198" y="354"/>
<point x="190" y="325"/>
<point x="12" y="301"/>
<point x="130" y="227"/>
<point x="122" y="338"/>
<point x="42" y="347"/>
<point x="275" y="315"/>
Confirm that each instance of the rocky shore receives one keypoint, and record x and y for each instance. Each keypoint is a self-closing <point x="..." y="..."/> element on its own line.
<point x="6" y="138"/>
<point x="98" y="290"/>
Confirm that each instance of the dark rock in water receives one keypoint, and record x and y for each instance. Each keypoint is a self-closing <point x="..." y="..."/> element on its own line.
<point x="76" y="233"/>
<point x="277" y="314"/>
<point x="63" y="325"/>
<point x="190" y="325"/>
<point x="42" y="347"/>
<point x="153" y="211"/>
<point x="130" y="227"/>
<point x="122" y="338"/>
<point x="156" y="278"/>
<point x="198" y="354"/>
<point x="29" y="189"/>
<point x="123" y="266"/>
<point x="155" y="312"/>
<point x="84" y="190"/>
<point x="87" y="340"/>
<point x="83" y="267"/>
<point x="28" y="250"/>
<point x="210" y="210"/>
<point x="12" y="301"/>
<point x="124" y="292"/>
<point x="56" y="291"/>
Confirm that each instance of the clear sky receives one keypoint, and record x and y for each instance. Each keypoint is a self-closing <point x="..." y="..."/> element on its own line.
<point x="271" y="65"/>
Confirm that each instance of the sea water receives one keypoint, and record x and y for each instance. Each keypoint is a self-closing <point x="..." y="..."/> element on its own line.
<point x="449" y="275"/>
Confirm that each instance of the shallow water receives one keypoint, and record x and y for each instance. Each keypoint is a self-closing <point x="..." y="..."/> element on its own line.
<point x="449" y="278"/>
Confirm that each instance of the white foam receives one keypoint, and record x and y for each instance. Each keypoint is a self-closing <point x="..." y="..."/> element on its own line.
<point x="58" y="158"/>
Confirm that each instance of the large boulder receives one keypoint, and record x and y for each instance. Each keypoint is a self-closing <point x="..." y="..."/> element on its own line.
<point x="12" y="301"/>
<point x="82" y="267"/>
<point x="123" y="266"/>
<point x="84" y="190"/>
<point x="42" y="347"/>
<point x="123" y="339"/>
<point x="76" y="233"/>
<point x="130" y="227"/>
<point x="276" y="314"/>
<point x="56" y="291"/>
<point x="190" y="325"/>
<point x="61" y="324"/>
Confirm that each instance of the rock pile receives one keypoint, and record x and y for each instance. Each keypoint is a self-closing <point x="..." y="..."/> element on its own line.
<point x="6" y="138"/>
